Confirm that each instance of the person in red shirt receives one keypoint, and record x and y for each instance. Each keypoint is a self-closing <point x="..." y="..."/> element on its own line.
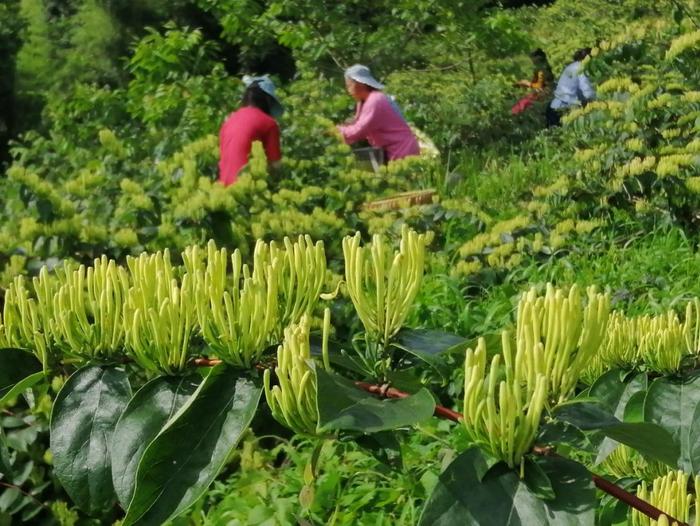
<point x="254" y="121"/>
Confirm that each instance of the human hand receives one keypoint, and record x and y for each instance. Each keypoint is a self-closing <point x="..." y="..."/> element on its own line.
<point x="332" y="131"/>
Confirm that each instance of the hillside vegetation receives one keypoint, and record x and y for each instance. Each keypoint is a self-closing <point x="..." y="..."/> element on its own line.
<point x="152" y="317"/>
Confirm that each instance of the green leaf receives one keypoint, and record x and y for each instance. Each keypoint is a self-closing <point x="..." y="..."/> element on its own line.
<point x="561" y="433"/>
<point x="335" y="355"/>
<point x="144" y="417"/>
<point x="672" y="404"/>
<point x="634" y="410"/>
<point x="693" y="454"/>
<point x="343" y="406"/>
<point x="15" y="366"/>
<point x="614" y="389"/>
<point x="183" y="460"/>
<point x="649" y="439"/>
<point x="537" y="480"/>
<point x="502" y="499"/>
<point x="613" y="512"/>
<point x="614" y="394"/>
<point x="5" y="460"/>
<point x="385" y="447"/>
<point x="20" y="387"/>
<point x="406" y="379"/>
<point x="82" y="422"/>
<point x="429" y="345"/>
<point x="8" y="497"/>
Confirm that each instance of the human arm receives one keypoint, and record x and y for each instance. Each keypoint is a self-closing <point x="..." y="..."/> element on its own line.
<point x="585" y="88"/>
<point x="271" y="144"/>
<point x="364" y="121"/>
<point x="538" y="82"/>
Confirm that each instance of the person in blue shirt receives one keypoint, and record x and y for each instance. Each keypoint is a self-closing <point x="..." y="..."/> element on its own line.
<point x="573" y="89"/>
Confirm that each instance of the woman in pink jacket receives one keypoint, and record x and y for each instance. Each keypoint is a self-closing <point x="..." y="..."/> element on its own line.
<point x="377" y="118"/>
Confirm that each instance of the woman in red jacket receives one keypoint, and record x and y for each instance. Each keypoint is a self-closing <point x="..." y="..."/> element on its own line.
<point x="254" y="121"/>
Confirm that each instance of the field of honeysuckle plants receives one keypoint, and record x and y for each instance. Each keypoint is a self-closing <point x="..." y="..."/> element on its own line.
<point x="521" y="350"/>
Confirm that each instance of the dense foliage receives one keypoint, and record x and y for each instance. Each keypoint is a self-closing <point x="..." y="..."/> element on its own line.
<point x="300" y="341"/>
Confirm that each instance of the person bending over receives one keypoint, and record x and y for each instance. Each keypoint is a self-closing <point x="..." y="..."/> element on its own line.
<point x="254" y="121"/>
<point x="540" y="85"/>
<point x="573" y="89"/>
<point x="378" y="118"/>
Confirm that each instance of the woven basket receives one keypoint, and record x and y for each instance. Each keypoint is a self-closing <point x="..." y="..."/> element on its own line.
<point x="403" y="200"/>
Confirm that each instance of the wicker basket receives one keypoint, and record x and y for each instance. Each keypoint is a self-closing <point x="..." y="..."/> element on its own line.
<point x="403" y="200"/>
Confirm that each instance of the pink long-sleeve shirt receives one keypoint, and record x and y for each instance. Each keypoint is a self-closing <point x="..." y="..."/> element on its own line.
<point x="378" y="121"/>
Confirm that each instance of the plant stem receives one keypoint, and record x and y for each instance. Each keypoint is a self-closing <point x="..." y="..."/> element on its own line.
<point x="604" y="485"/>
<point x="25" y="493"/>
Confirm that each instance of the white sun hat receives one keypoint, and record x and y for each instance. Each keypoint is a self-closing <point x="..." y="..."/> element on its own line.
<point x="363" y="75"/>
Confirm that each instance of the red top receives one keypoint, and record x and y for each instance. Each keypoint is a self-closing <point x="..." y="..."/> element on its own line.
<point x="236" y="138"/>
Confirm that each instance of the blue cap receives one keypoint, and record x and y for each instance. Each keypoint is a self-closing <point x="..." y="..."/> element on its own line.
<point x="265" y="84"/>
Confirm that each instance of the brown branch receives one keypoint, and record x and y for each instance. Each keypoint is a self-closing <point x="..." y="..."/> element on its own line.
<point x="213" y="362"/>
<point x="632" y="500"/>
<point x="603" y="484"/>
<point x="390" y="392"/>
<point x="206" y="362"/>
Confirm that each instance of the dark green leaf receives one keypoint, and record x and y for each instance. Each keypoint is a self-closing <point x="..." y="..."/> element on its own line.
<point x="82" y="422"/>
<point x="502" y="499"/>
<point x="429" y="345"/>
<point x="406" y="379"/>
<point x="20" y="387"/>
<point x="693" y="453"/>
<point x="5" y="461"/>
<point x="34" y="510"/>
<point x="649" y="439"/>
<point x="8" y="497"/>
<point x="614" y="394"/>
<point x="15" y="366"/>
<point x="336" y="357"/>
<point x="612" y="512"/>
<point x="634" y="410"/>
<point x="22" y="474"/>
<point x="557" y="432"/>
<point x="144" y="417"/>
<point x="489" y="464"/>
<point x="342" y="405"/>
<point x="672" y="404"/>
<point x="614" y="389"/>
<point x="384" y="446"/>
<point x="183" y="460"/>
<point x="19" y="505"/>
<point x="537" y="480"/>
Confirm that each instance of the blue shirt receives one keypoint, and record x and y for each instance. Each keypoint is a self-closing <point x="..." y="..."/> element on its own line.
<point x="573" y="88"/>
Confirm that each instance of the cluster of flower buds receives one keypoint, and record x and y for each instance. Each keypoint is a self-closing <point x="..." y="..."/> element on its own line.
<point x="154" y="311"/>
<point x="562" y="334"/>
<point x="237" y="310"/>
<point x="501" y="414"/>
<point x="382" y="283"/>
<point x="300" y="277"/>
<point x="159" y="314"/>
<point x="23" y="322"/>
<point x="669" y="494"/>
<point x="292" y="400"/>
<point x="659" y="343"/>
<point x="556" y="335"/>
<point x="85" y="312"/>
<point x="624" y="461"/>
